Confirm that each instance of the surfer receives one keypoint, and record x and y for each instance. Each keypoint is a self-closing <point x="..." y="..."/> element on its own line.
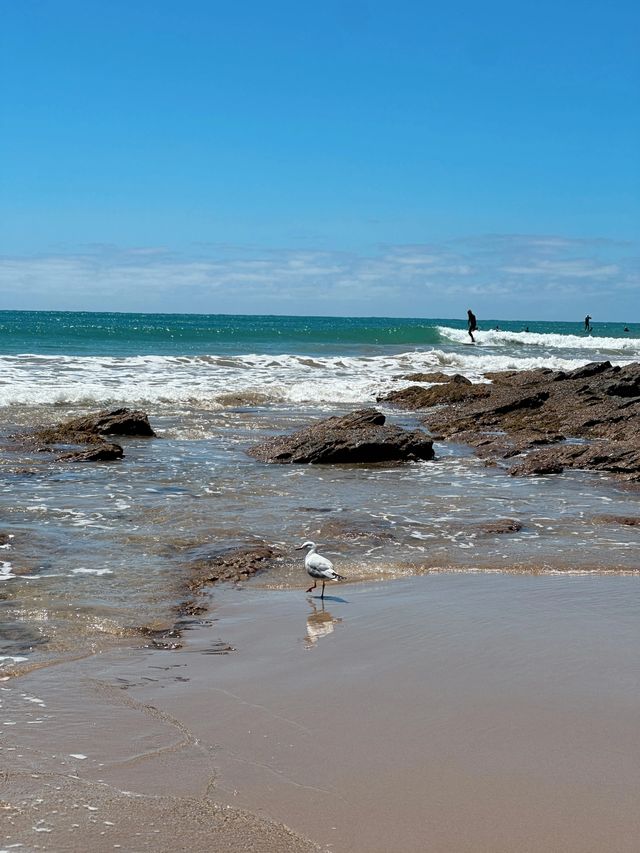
<point x="473" y="324"/>
<point x="587" y="323"/>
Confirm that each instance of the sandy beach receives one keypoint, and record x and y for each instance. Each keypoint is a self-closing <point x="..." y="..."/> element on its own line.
<point x="459" y="713"/>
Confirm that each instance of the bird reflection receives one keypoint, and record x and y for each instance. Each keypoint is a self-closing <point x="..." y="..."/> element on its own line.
<point x="320" y="623"/>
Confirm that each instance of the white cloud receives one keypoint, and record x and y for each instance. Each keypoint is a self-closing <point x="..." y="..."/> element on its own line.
<point x="504" y="275"/>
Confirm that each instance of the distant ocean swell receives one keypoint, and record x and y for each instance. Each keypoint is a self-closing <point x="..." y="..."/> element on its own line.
<point x="110" y="334"/>
<point x="127" y="334"/>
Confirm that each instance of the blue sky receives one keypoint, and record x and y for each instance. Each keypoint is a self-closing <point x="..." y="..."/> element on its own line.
<point x="341" y="157"/>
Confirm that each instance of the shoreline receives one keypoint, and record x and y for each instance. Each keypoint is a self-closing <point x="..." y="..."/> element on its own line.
<point x="196" y="614"/>
<point x="512" y="694"/>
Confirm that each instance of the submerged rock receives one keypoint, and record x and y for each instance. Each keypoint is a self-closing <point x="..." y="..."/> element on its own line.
<point x="228" y="563"/>
<point x="536" y="467"/>
<point x="501" y="526"/>
<point x="626" y="520"/>
<point x="360" y="437"/>
<point x="102" y="452"/>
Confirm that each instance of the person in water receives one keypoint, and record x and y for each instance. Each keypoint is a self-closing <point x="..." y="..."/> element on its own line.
<point x="473" y="323"/>
<point x="587" y="323"/>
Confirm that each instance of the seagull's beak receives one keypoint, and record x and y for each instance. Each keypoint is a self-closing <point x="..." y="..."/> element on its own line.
<point x="299" y="548"/>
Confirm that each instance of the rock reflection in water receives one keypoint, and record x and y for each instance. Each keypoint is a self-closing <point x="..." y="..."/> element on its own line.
<point x="320" y="623"/>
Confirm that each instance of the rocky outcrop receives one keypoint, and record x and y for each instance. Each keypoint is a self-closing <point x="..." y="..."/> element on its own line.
<point x="625" y="520"/>
<point x="500" y="527"/>
<point x="221" y="563"/>
<point x="418" y="397"/>
<point x="228" y="563"/>
<point x="537" y="466"/>
<point x="437" y="376"/>
<point x="86" y="436"/>
<point x="356" y="530"/>
<point x="90" y="428"/>
<point x="544" y="420"/>
<point x="361" y="437"/>
<point x="101" y="452"/>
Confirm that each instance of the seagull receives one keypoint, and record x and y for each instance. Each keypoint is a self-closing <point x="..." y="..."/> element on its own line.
<point x="318" y="567"/>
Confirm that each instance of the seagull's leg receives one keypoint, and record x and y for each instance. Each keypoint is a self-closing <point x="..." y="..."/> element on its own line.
<point x="322" y="596"/>
<point x="311" y="588"/>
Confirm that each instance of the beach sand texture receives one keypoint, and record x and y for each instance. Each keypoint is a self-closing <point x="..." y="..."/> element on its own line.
<point x="452" y="712"/>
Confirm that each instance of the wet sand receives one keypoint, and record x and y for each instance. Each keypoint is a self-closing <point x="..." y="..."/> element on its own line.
<point x="446" y="713"/>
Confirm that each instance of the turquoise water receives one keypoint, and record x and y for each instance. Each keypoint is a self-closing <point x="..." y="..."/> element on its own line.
<point x="114" y="334"/>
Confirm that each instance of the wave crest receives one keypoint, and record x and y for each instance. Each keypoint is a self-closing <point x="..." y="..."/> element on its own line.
<point x="502" y="338"/>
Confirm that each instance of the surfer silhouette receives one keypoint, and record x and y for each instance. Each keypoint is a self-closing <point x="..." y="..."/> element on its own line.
<point x="473" y="324"/>
<point x="587" y="323"/>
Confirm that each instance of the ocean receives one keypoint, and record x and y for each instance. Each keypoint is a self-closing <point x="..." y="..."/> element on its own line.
<point x="95" y="553"/>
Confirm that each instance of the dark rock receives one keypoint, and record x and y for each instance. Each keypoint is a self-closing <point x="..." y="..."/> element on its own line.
<point x="355" y="530"/>
<point x="627" y="520"/>
<point x="417" y="397"/>
<point x="360" y="419"/>
<point x="624" y="389"/>
<point x="92" y="427"/>
<point x="517" y="401"/>
<point x="437" y="376"/>
<point x="102" y="452"/>
<point x="618" y="457"/>
<point x="361" y="437"/>
<point x="591" y="369"/>
<point x="500" y="526"/>
<point x="501" y="376"/>
<point x="82" y="439"/>
<point x="230" y="564"/>
<point x="534" y="467"/>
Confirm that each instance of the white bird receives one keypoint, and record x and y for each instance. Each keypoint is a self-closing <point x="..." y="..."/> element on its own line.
<point x="318" y="567"/>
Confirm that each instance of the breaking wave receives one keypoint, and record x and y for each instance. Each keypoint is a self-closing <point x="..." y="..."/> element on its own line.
<point x="218" y="382"/>
<point x="504" y="338"/>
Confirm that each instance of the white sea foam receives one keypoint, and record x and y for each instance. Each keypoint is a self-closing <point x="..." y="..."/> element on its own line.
<point x="5" y="570"/>
<point x="215" y="383"/>
<point x="83" y="571"/>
